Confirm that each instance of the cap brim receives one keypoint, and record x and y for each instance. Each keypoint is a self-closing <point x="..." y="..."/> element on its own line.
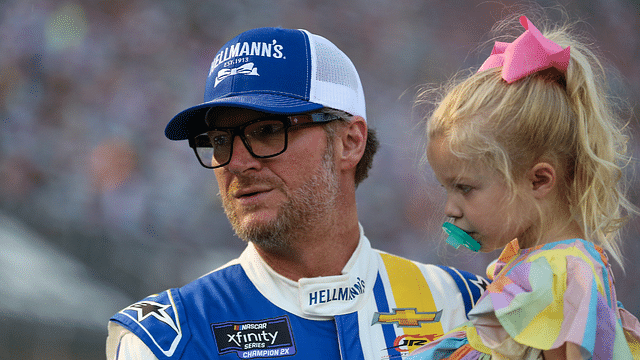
<point x="190" y="122"/>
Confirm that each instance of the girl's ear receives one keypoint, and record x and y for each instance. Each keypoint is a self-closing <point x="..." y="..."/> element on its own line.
<point x="542" y="177"/>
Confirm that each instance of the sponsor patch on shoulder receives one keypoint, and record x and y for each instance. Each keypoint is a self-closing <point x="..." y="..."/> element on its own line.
<point x="255" y="339"/>
<point x="157" y="318"/>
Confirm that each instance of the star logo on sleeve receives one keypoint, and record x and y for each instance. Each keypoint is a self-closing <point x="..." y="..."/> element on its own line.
<point x="145" y="309"/>
<point x="481" y="283"/>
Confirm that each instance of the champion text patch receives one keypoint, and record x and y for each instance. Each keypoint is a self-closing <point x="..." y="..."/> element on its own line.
<point x="255" y="339"/>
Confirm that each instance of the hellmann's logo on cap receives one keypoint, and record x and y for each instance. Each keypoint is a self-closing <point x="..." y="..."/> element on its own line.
<point x="240" y="49"/>
<point x="337" y="294"/>
<point x="246" y="69"/>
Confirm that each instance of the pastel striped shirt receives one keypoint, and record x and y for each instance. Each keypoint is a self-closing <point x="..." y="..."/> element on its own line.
<point x="540" y="299"/>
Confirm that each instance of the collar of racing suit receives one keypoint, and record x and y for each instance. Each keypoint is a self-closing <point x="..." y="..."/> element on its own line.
<point x="319" y="298"/>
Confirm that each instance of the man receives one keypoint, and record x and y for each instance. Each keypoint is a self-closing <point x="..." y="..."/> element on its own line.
<point x="283" y="127"/>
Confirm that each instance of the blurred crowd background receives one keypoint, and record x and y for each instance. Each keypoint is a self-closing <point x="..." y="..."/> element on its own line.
<point x="98" y="209"/>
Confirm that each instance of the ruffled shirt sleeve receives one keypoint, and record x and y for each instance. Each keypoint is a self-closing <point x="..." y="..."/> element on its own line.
<point x="547" y="296"/>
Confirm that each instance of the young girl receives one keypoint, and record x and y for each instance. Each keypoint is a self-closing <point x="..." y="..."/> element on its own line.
<point x="529" y="151"/>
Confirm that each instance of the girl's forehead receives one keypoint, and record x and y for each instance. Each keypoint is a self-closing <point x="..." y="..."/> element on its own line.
<point x="444" y="161"/>
<point x="451" y="167"/>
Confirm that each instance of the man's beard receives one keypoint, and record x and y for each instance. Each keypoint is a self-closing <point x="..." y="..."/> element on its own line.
<point x="307" y="206"/>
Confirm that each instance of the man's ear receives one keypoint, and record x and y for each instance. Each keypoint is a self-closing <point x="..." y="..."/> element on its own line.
<point x="352" y="143"/>
<point x="542" y="177"/>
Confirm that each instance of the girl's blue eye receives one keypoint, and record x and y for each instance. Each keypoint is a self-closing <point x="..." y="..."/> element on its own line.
<point x="464" y="188"/>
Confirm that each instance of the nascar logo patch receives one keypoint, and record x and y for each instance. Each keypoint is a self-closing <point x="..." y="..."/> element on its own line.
<point x="255" y="339"/>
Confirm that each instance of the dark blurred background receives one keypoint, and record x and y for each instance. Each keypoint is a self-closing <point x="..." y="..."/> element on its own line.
<point x="99" y="209"/>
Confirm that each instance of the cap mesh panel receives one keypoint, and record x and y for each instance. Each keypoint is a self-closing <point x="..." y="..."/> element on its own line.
<point x="332" y="67"/>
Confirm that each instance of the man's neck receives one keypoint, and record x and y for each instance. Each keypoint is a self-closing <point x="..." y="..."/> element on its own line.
<point x="319" y="252"/>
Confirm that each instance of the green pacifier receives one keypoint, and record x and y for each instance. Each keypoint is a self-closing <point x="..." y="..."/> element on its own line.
<point x="459" y="237"/>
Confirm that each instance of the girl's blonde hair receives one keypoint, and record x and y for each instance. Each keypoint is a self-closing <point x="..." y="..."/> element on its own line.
<point x="566" y="119"/>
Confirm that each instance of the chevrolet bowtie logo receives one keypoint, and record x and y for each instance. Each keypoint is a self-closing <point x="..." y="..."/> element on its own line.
<point x="406" y="317"/>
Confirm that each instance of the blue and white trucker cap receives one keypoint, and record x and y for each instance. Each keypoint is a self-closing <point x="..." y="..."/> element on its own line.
<point x="277" y="71"/>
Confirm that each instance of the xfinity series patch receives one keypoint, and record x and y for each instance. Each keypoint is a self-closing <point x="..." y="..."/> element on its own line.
<point x="255" y="339"/>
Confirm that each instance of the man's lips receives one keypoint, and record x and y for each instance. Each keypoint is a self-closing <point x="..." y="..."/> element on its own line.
<point x="252" y="196"/>
<point x="251" y="191"/>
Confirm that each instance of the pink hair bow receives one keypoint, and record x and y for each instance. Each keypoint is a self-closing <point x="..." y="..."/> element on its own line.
<point x="529" y="53"/>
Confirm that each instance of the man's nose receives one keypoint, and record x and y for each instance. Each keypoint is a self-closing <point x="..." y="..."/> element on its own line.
<point x="241" y="159"/>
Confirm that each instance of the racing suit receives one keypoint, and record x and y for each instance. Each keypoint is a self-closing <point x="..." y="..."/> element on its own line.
<point x="381" y="307"/>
